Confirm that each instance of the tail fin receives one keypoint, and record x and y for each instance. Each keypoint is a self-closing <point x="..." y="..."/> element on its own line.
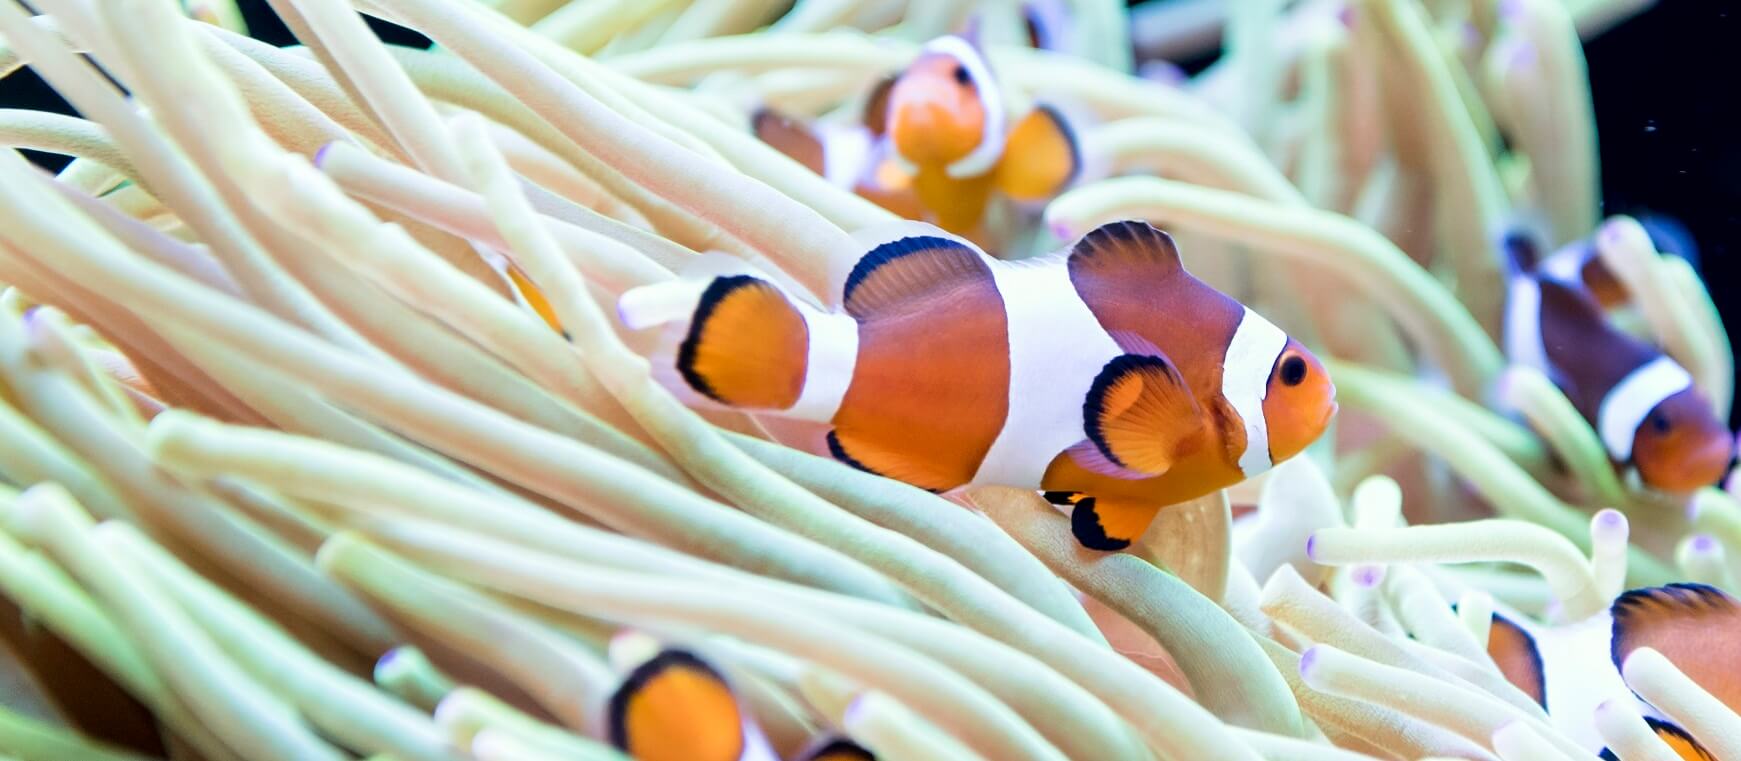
<point x="739" y="341"/>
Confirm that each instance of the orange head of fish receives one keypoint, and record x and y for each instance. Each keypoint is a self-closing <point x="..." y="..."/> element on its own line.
<point x="937" y="109"/>
<point x="1681" y="445"/>
<point x="1299" y="402"/>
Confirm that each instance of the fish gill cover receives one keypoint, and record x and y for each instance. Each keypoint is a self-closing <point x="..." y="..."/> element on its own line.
<point x="846" y="379"/>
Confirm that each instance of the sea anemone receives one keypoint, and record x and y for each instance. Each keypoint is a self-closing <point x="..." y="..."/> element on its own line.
<point x="320" y="437"/>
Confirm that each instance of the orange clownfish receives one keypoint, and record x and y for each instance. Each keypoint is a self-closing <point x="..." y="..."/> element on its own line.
<point x="936" y="143"/>
<point x="675" y="707"/>
<point x="1104" y="374"/>
<point x="1574" y="669"/>
<point x="1641" y="402"/>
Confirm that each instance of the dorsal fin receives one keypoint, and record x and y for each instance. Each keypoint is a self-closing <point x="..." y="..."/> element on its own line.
<point x="876" y="105"/>
<point x="1697" y="627"/>
<point x="1133" y="248"/>
<point x="798" y="141"/>
<point x="1514" y="651"/>
<point x="835" y="748"/>
<point x="927" y="262"/>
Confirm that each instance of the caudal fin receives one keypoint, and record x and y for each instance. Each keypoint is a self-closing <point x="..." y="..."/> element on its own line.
<point x="739" y="341"/>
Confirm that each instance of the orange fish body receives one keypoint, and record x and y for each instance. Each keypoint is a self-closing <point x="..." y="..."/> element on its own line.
<point x="1106" y="371"/>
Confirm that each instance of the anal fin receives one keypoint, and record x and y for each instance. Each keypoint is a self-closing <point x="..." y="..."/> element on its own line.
<point x="1110" y="524"/>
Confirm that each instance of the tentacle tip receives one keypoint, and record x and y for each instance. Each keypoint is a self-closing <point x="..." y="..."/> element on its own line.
<point x="1308" y="661"/>
<point x="1369" y="576"/>
<point x="321" y="153"/>
<point x="1703" y="544"/>
<point x="1311" y="545"/>
<point x="1609" y="524"/>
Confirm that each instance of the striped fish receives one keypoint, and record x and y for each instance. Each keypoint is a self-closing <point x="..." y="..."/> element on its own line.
<point x="1641" y="402"/>
<point x="1105" y="374"/>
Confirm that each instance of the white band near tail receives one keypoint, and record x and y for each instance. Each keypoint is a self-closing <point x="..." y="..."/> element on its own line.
<point x="1523" y="324"/>
<point x="1631" y="400"/>
<point x="991" y="136"/>
<point x="1057" y="349"/>
<point x="828" y="367"/>
<point x="1245" y="382"/>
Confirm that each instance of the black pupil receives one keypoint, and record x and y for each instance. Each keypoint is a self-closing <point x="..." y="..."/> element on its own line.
<point x="961" y="75"/>
<point x="1293" y="371"/>
<point x="1659" y="422"/>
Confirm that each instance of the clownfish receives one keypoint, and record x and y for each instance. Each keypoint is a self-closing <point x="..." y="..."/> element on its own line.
<point x="1104" y="374"/>
<point x="675" y="707"/>
<point x="1641" y="402"/>
<point x="935" y="143"/>
<point x="1571" y="670"/>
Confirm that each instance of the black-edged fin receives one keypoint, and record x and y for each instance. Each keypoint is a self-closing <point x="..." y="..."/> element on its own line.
<point x="1041" y="156"/>
<point x="911" y="267"/>
<point x="835" y="748"/>
<point x="1064" y="497"/>
<point x="747" y="346"/>
<point x="1127" y="249"/>
<point x="876" y="105"/>
<point x="1515" y="652"/>
<point x="1697" y="627"/>
<point x="887" y="463"/>
<point x="1140" y="414"/>
<point x="1677" y="739"/>
<point x="675" y="707"/>
<point x="1109" y="525"/>
<point x="789" y="136"/>
<point x="1522" y="249"/>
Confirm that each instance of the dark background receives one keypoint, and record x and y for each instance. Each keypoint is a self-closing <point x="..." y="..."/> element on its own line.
<point x="1665" y="85"/>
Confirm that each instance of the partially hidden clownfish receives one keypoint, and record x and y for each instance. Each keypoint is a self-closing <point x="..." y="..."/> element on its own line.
<point x="676" y="707"/>
<point x="1104" y="374"/>
<point x="936" y="143"/>
<point x="1640" y="401"/>
<point x="1572" y="670"/>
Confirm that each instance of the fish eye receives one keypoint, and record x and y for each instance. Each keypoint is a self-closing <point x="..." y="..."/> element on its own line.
<point x="961" y="75"/>
<point x="1293" y="371"/>
<point x="1660" y="422"/>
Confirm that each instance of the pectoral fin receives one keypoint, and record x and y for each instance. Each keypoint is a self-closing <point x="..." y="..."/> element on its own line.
<point x="1040" y="157"/>
<point x="1141" y="416"/>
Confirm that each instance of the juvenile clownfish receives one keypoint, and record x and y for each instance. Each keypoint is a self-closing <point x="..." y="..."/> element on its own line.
<point x="675" y="707"/>
<point x="1105" y="374"/>
<point x="1575" y="668"/>
<point x="1641" y="402"/>
<point x="935" y="143"/>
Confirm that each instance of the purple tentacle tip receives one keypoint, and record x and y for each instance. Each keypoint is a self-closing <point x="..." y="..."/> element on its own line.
<point x="1704" y="544"/>
<point x="1307" y="659"/>
<point x="320" y="154"/>
<point x="1345" y="14"/>
<point x="1523" y="56"/>
<point x="1311" y="541"/>
<point x="1369" y="576"/>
